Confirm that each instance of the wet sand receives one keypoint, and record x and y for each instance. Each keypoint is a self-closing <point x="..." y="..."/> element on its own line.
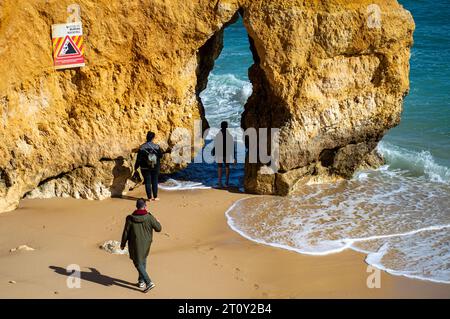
<point x="196" y="255"/>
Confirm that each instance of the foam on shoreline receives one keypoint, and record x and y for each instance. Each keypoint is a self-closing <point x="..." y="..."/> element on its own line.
<point x="401" y="222"/>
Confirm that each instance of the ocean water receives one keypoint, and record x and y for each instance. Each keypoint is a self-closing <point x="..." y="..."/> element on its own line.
<point x="399" y="214"/>
<point x="224" y="98"/>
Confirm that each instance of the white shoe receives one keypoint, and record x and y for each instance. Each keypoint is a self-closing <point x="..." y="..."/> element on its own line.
<point x="149" y="287"/>
<point x="141" y="284"/>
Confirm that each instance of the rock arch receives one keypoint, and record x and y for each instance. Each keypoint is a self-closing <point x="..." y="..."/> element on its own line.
<point x="332" y="82"/>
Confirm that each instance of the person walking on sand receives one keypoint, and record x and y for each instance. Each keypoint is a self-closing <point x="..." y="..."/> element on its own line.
<point x="224" y="152"/>
<point x="149" y="161"/>
<point x="138" y="232"/>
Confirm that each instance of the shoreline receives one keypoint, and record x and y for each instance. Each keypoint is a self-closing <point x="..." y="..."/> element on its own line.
<point x="197" y="255"/>
<point x="348" y="246"/>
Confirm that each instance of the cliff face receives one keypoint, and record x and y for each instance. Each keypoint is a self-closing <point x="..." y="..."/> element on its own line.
<point x="331" y="81"/>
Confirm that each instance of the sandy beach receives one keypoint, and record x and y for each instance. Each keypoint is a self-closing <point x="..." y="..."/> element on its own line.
<point x="196" y="255"/>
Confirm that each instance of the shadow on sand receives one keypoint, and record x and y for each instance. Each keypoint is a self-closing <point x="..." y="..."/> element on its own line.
<point x="127" y="197"/>
<point x="96" y="277"/>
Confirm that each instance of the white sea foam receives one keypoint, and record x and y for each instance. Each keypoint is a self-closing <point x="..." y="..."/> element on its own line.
<point x="224" y="99"/>
<point x="416" y="163"/>
<point x="177" y="185"/>
<point x="401" y="222"/>
<point x="423" y="255"/>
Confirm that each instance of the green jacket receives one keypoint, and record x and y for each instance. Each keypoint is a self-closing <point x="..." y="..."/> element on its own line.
<point x="138" y="231"/>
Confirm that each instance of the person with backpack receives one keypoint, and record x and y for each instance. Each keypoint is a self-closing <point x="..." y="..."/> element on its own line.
<point x="138" y="233"/>
<point x="149" y="161"/>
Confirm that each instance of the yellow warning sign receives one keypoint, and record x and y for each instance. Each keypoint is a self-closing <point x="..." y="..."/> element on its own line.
<point x="68" y="47"/>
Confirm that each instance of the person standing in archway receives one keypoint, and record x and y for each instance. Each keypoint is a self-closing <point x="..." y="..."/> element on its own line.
<point x="224" y="152"/>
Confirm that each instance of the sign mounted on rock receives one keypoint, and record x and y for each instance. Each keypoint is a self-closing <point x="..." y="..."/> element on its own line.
<point x="68" y="48"/>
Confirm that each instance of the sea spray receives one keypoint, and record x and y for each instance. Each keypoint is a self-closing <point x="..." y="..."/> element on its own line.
<point x="414" y="163"/>
<point x="224" y="99"/>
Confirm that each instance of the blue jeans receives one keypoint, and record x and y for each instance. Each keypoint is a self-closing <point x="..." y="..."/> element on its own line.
<point x="141" y="268"/>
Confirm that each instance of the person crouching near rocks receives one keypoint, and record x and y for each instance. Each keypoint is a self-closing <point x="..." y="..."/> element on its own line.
<point x="138" y="232"/>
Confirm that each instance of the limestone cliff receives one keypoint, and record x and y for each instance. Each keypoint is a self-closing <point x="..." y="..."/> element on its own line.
<point x="326" y="75"/>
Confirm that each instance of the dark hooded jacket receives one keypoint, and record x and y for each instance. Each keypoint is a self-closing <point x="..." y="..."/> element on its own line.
<point x="138" y="232"/>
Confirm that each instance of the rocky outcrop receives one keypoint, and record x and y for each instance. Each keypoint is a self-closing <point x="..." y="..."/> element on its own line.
<point x="325" y="73"/>
<point x="113" y="247"/>
<point x="63" y="131"/>
<point x="332" y="76"/>
<point x="21" y="248"/>
<point x="108" y="178"/>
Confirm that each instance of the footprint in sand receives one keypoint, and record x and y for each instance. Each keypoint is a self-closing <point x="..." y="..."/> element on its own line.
<point x="203" y="249"/>
<point x="215" y="263"/>
<point x="111" y="225"/>
<point x="237" y="277"/>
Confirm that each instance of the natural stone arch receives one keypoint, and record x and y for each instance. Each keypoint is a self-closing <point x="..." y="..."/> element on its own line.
<point x="331" y="78"/>
<point x="65" y="131"/>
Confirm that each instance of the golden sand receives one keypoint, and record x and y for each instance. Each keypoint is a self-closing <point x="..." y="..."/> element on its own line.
<point x="195" y="256"/>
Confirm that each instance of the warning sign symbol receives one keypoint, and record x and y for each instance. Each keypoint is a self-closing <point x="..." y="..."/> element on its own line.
<point x="68" y="49"/>
<point x="68" y="45"/>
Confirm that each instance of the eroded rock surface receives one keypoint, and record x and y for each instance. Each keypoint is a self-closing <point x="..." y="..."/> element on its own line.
<point x="326" y="75"/>
<point x="332" y="76"/>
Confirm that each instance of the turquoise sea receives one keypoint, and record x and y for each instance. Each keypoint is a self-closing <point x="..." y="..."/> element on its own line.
<point x="399" y="214"/>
